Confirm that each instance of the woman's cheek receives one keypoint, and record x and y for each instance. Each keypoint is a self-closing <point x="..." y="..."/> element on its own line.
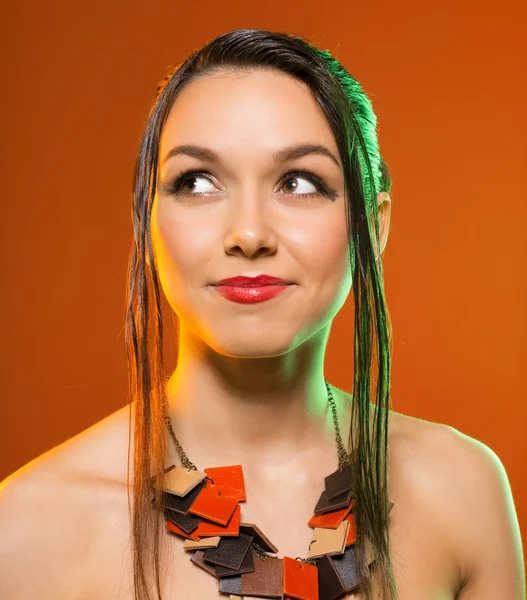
<point x="324" y="250"/>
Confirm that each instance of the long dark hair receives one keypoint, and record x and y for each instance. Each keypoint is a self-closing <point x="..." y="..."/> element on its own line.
<point x="349" y="112"/>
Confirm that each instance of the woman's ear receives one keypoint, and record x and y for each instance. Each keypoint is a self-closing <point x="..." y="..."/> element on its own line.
<point x="384" y="206"/>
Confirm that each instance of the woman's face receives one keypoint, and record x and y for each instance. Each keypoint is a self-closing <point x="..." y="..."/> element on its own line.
<point x="248" y="213"/>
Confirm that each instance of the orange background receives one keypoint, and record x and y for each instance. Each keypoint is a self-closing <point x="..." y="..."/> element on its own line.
<point x="448" y="86"/>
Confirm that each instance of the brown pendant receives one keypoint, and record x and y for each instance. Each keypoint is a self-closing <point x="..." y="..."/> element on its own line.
<point x="325" y="505"/>
<point x="186" y="522"/>
<point x="247" y="566"/>
<point x="177" y="530"/>
<point x="267" y="579"/>
<point x="181" y="504"/>
<point x="347" y="567"/>
<point x="231" y="585"/>
<point x="230" y="551"/>
<point x="338" y="482"/>
<point x="258" y="537"/>
<point x="197" y="558"/>
<point x="330" y="586"/>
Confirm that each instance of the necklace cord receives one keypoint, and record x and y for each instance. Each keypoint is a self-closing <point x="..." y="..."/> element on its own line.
<point x="343" y="456"/>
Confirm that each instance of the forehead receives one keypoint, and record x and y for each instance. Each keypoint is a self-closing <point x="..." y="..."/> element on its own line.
<point x="259" y="110"/>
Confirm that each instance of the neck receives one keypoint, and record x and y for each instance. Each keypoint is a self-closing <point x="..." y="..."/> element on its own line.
<point x="228" y="410"/>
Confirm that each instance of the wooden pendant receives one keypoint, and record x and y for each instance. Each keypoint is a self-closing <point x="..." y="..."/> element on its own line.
<point x="212" y="505"/>
<point x="352" y="530"/>
<point x="328" y="541"/>
<point x="211" y="542"/>
<point x="229" y="480"/>
<point x="300" y="579"/>
<point x="179" y="480"/>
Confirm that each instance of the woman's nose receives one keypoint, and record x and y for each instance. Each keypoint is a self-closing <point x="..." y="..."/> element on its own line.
<point x="250" y="231"/>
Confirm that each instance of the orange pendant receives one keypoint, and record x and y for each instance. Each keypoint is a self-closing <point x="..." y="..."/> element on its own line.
<point x="211" y="504"/>
<point x="300" y="580"/>
<point x="352" y="530"/>
<point x="229" y="480"/>
<point x="207" y="529"/>
<point x="331" y="520"/>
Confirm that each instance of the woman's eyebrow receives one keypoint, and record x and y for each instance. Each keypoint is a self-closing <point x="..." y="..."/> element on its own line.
<point x="292" y="152"/>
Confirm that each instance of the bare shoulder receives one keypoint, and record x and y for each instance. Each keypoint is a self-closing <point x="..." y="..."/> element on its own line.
<point x="438" y="455"/>
<point x="427" y="440"/>
<point x="54" y="508"/>
<point x="458" y="482"/>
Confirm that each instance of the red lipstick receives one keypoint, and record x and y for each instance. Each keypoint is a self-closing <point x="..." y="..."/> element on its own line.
<point x="248" y="290"/>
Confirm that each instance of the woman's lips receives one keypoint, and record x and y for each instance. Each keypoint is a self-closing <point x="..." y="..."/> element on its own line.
<point x="256" y="280"/>
<point x="250" y="294"/>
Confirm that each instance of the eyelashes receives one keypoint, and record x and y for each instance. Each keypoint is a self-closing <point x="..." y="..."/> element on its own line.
<point x="175" y="186"/>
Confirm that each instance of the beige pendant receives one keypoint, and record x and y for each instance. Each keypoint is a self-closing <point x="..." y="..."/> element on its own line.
<point x="180" y="481"/>
<point x="328" y="541"/>
<point x="210" y="542"/>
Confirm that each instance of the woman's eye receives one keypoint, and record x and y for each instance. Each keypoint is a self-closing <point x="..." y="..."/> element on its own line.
<point x="301" y="190"/>
<point x="196" y="188"/>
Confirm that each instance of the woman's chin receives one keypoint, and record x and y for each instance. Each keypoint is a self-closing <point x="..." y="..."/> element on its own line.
<point x="251" y="346"/>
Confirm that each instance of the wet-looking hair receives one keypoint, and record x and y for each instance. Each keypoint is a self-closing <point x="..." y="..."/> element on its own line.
<point x="350" y="115"/>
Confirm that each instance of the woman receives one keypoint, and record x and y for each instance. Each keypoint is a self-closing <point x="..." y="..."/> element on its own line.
<point x="260" y="162"/>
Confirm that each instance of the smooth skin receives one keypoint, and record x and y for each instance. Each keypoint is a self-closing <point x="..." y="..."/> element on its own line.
<point x="249" y="386"/>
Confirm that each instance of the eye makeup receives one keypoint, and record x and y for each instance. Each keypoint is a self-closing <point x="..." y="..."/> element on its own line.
<point x="175" y="185"/>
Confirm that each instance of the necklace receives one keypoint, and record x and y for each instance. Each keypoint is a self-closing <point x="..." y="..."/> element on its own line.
<point x="203" y="507"/>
